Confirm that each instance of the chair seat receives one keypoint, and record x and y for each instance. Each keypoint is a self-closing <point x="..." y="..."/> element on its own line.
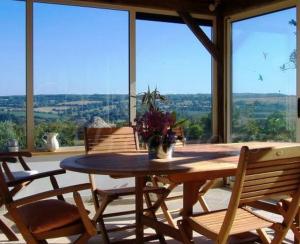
<point x="126" y="191"/>
<point x="47" y="215"/>
<point x="245" y="220"/>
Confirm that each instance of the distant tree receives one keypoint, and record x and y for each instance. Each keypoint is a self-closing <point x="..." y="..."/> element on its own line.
<point x="206" y="124"/>
<point x="252" y="130"/>
<point x="195" y="132"/>
<point x="276" y="128"/>
<point x="291" y="64"/>
<point x="10" y="130"/>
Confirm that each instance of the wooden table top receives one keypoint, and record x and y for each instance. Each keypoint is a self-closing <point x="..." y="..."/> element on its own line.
<point x="208" y="161"/>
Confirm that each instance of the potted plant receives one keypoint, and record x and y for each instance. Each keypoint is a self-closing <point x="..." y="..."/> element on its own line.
<point x="155" y="126"/>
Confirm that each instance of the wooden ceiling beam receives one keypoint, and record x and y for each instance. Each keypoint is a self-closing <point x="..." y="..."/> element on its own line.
<point x="200" y="34"/>
<point x="200" y="7"/>
<point x="237" y="6"/>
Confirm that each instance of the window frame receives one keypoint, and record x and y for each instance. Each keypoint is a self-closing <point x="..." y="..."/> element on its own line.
<point x="200" y="20"/>
<point x="132" y="57"/>
<point x="228" y="54"/>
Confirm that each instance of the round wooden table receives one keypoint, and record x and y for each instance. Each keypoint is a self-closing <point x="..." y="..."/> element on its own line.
<point x="191" y="165"/>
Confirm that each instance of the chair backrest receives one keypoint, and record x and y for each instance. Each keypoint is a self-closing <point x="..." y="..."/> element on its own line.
<point x="110" y="139"/>
<point x="270" y="173"/>
<point x="13" y="157"/>
<point x="263" y="174"/>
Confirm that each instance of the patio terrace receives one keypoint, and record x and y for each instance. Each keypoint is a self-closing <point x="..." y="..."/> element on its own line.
<point x="213" y="24"/>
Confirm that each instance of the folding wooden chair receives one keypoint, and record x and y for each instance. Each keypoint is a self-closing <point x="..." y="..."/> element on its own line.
<point x="17" y="180"/>
<point x="39" y="218"/>
<point x="164" y="180"/>
<point x="107" y="140"/>
<point x="283" y="207"/>
<point x="261" y="174"/>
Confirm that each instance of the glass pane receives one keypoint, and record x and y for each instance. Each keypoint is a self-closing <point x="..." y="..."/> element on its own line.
<point x="80" y="70"/>
<point x="264" y="78"/>
<point x="171" y="59"/>
<point x="12" y="74"/>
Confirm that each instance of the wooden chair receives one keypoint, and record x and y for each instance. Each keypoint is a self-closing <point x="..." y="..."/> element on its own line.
<point x="164" y="180"/>
<point x="17" y="180"/>
<point x="261" y="174"/>
<point x="107" y="140"/>
<point x="283" y="207"/>
<point x="39" y="218"/>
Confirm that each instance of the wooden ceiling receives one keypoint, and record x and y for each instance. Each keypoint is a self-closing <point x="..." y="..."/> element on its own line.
<point x="192" y="6"/>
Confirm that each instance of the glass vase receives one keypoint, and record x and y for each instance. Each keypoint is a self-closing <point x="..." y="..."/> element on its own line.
<point x="159" y="152"/>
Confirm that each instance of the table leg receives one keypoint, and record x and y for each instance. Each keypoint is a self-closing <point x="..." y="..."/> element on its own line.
<point x="139" y="185"/>
<point x="190" y="197"/>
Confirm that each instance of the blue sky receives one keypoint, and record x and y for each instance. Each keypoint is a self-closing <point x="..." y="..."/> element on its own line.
<point x="85" y="51"/>
<point x="260" y="46"/>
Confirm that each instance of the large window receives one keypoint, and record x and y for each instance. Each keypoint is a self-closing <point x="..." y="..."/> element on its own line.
<point x="12" y="70"/>
<point x="171" y="59"/>
<point x="264" y="77"/>
<point x="80" y="70"/>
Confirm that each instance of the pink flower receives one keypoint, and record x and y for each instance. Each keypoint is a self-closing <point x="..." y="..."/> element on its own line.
<point x="155" y="127"/>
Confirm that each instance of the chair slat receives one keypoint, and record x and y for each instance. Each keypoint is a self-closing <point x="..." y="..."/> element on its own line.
<point x="104" y="142"/>
<point x="260" y="164"/>
<point x="110" y="139"/>
<point x="267" y="196"/>
<point x="272" y="174"/>
<point x="269" y="191"/>
<point x="265" y="180"/>
<point x="293" y="165"/>
<point x="259" y="187"/>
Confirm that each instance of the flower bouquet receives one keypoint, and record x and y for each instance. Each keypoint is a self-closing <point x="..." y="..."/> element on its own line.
<point x="155" y="129"/>
<point x="155" y="126"/>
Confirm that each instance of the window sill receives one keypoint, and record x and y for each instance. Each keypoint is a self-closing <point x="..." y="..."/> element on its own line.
<point x="62" y="150"/>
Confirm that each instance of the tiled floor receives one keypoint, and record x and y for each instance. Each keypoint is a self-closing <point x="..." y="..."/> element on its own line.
<point x="216" y="199"/>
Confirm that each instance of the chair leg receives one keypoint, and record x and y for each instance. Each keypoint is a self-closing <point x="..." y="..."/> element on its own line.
<point x="152" y="214"/>
<point x="7" y="231"/>
<point x="204" y="189"/>
<point x="99" y="218"/>
<point x="103" y="230"/>
<point x="147" y="200"/>
<point x="43" y="242"/>
<point x="83" y="239"/>
<point x="263" y="236"/>
<point x="167" y="214"/>
<point x="182" y="229"/>
<point x="27" y="235"/>
<point x="203" y="204"/>
<point x="164" y="206"/>
<point x="283" y="208"/>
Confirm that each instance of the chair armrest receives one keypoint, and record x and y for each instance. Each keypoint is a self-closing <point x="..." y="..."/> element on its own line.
<point x="8" y="159"/>
<point x="52" y="193"/>
<point x="36" y="176"/>
<point x="15" y="154"/>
